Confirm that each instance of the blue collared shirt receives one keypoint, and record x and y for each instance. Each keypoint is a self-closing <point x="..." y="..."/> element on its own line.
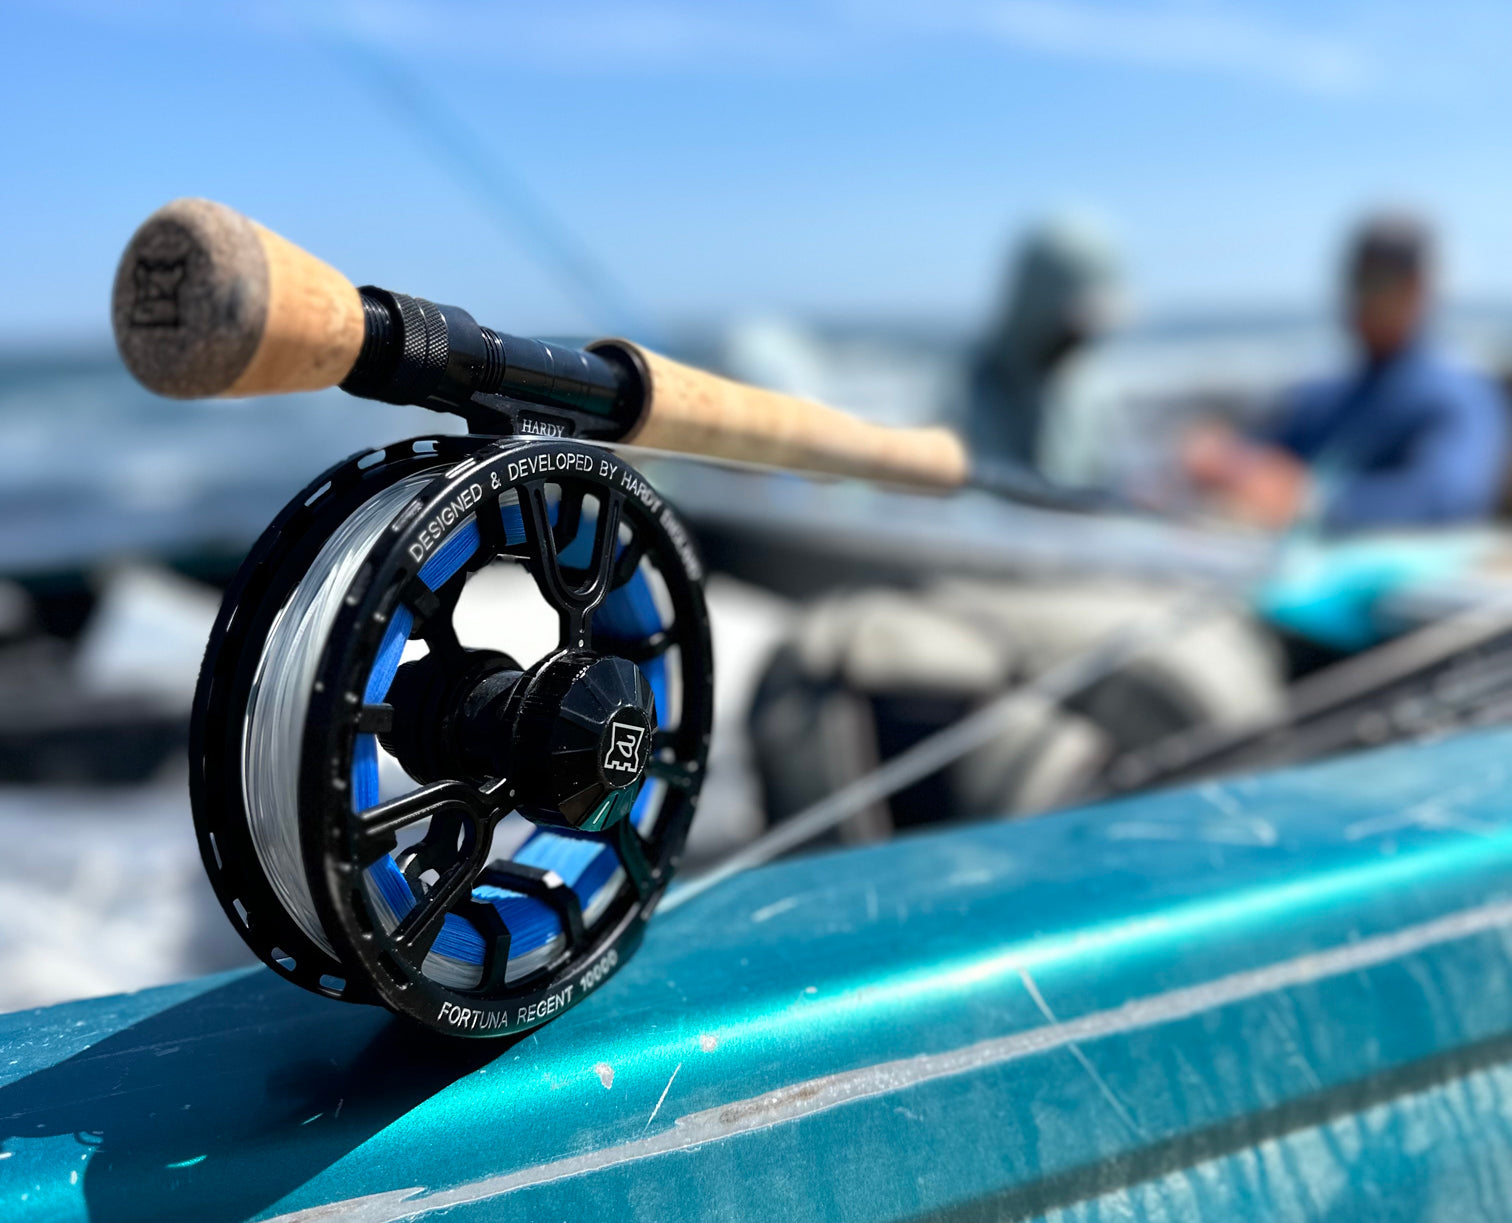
<point x="1410" y="441"/>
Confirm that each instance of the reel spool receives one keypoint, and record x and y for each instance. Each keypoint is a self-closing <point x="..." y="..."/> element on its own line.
<point x="543" y="806"/>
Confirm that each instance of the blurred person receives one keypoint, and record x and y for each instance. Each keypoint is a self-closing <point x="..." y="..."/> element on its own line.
<point x="865" y="674"/>
<point x="1060" y="294"/>
<point x="1405" y="438"/>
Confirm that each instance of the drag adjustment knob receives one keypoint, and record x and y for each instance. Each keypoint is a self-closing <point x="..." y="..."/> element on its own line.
<point x="582" y="735"/>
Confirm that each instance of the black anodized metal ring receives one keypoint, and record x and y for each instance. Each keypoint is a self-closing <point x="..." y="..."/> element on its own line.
<point x="332" y="835"/>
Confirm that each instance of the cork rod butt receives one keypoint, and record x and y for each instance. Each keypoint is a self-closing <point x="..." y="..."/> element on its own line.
<point x="209" y="303"/>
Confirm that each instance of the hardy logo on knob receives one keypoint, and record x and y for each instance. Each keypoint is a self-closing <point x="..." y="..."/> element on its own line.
<point x="622" y="755"/>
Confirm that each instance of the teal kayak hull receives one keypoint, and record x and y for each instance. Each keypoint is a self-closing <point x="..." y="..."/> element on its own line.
<point x="1281" y="998"/>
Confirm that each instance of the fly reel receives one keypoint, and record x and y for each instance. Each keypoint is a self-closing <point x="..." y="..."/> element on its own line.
<point x="472" y="839"/>
<point x="540" y="806"/>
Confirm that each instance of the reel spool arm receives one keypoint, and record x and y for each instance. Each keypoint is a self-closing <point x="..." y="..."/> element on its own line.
<point x="209" y="303"/>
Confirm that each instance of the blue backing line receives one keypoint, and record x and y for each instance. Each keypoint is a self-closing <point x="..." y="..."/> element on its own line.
<point x="579" y="552"/>
<point x="365" y="753"/>
<point x="365" y="773"/>
<point x="628" y="613"/>
<point x="386" y="663"/>
<point x="650" y="790"/>
<point x="453" y="553"/>
<point x="514" y="521"/>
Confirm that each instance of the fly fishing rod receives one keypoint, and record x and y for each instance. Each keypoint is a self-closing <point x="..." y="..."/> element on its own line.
<point x="209" y="303"/>
<point x="540" y="807"/>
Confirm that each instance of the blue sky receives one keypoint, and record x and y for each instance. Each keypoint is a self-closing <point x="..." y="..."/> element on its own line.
<point x="705" y="161"/>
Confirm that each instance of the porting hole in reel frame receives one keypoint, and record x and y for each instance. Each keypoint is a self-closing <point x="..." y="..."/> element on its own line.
<point x="387" y="815"/>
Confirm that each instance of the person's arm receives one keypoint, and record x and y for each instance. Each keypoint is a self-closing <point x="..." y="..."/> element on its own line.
<point x="1256" y="482"/>
<point x="1453" y="472"/>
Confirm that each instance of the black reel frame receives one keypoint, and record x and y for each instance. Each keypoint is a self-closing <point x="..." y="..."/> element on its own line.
<point x="338" y="845"/>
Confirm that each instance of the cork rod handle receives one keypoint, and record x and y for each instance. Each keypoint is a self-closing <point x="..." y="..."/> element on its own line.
<point x="209" y="303"/>
<point x="694" y="412"/>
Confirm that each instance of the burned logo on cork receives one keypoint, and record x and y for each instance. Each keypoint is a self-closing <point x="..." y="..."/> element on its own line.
<point x="156" y="284"/>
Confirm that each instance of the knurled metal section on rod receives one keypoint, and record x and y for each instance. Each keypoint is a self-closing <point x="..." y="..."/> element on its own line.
<point x="422" y="363"/>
